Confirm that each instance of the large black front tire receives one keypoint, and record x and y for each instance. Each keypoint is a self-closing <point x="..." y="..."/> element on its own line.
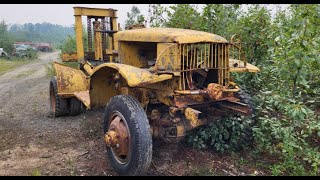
<point x="248" y="132"/>
<point x="58" y="106"/>
<point x="247" y="99"/>
<point x="140" y="142"/>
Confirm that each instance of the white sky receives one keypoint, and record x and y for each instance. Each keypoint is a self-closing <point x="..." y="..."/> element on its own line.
<point x="57" y="13"/>
<point x="63" y="13"/>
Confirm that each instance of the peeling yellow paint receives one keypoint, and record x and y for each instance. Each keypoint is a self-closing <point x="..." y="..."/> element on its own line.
<point x="238" y="66"/>
<point x="168" y="35"/>
<point x="135" y="76"/>
<point x="70" y="80"/>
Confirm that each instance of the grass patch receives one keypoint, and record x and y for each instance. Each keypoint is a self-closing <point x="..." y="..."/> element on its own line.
<point x="7" y="65"/>
<point x="71" y="166"/>
<point x="36" y="172"/>
<point x="202" y="171"/>
<point x="50" y="70"/>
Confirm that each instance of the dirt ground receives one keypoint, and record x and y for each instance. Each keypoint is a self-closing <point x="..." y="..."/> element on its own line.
<point x="34" y="143"/>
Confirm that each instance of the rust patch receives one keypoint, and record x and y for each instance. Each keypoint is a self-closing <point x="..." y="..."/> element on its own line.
<point x="194" y="117"/>
<point x="70" y="80"/>
<point x="214" y="91"/>
<point x="118" y="137"/>
<point x="184" y="100"/>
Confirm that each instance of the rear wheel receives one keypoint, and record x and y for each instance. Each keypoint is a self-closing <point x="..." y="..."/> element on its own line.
<point x="58" y="105"/>
<point x="127" y="135"/>
<point x="75" y="106"/>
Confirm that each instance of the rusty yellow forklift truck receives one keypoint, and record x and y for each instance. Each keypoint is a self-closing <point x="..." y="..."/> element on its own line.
<point x="153" y="83"/>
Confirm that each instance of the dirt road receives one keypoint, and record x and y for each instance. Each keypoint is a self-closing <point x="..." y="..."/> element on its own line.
<point x="33" y="143"/>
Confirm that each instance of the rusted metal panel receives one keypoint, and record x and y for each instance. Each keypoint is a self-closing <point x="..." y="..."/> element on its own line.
<point x="135" y="76"/>
<point x="138" y="54"/>
<point x="118" y="136"/>
<point x="135" y="26"/>
<point x="204" y="56"/>
<point x="214" y="91"/>
<point x="168" y="57"/>
<point x="238" y="66"/>
<point x="102" y="86"/>
<point x="69" y="57"/>
<point x="70" y="80"/>
<point x="194" y="118"/>
<point x="84" y="97"/>
<point x="185" y="100"/>
<point x="168" y="35"/>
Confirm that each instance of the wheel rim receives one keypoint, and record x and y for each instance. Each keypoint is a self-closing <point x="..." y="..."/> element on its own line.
<point x="52" y="100"/>
<point x="121" y="144"/>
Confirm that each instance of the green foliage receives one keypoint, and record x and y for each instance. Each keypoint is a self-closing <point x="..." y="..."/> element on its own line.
<point x="287" y="90"/>
<point x="297" y="52"/>
<point x="253" y="27"/>
<point x="226" y="134"/>
<point x="156" y="15"/>
<point x="6" y="41"/>
<point x="50" y="69"/>
<point x="7" y="65"/>
<point x="220" y="18"/>
<point x="183" y="16"/>
<point x="31" y="53"/>
<point x="289" y="130"/>
<point x="36" y="172"/>
<point x="69" y="45"/>
<point x="134" y="17"/>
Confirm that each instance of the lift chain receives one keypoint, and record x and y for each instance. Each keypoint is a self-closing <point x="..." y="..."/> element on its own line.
<point x="89" y="34"/>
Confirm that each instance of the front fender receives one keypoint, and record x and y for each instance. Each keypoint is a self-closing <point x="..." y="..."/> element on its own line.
<point x="70" y="80"/>
<point x="133" y="75"/>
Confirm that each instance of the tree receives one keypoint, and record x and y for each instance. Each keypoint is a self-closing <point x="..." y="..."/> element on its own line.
<point x="5" y="39"/>
<point x="156" y="15"/>
<point x="40" y="32"/>
<point x="297" y="48"/>
<point x="183" y="16"/>
<point x="134" y="17"/>
<point x="69" y="44"/>
<point x="220" y="18"/>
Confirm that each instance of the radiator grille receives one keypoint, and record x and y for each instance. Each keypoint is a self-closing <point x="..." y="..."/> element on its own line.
<point x="204" y="56"/>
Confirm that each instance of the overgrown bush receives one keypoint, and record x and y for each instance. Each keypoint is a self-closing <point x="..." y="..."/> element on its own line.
<point x="31" y="53"/>
<point x="288" y="129"/>
<point x="69" y="45"/>
<point x="287" y="90"/>
<point x="224" y="135"/>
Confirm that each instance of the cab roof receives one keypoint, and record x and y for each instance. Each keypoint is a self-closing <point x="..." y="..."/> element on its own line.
<point x="168" y="35"/>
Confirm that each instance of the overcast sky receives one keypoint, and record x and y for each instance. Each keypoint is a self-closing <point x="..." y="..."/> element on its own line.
<point x="57" y="13"/>
<point x="62" y="13"/>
